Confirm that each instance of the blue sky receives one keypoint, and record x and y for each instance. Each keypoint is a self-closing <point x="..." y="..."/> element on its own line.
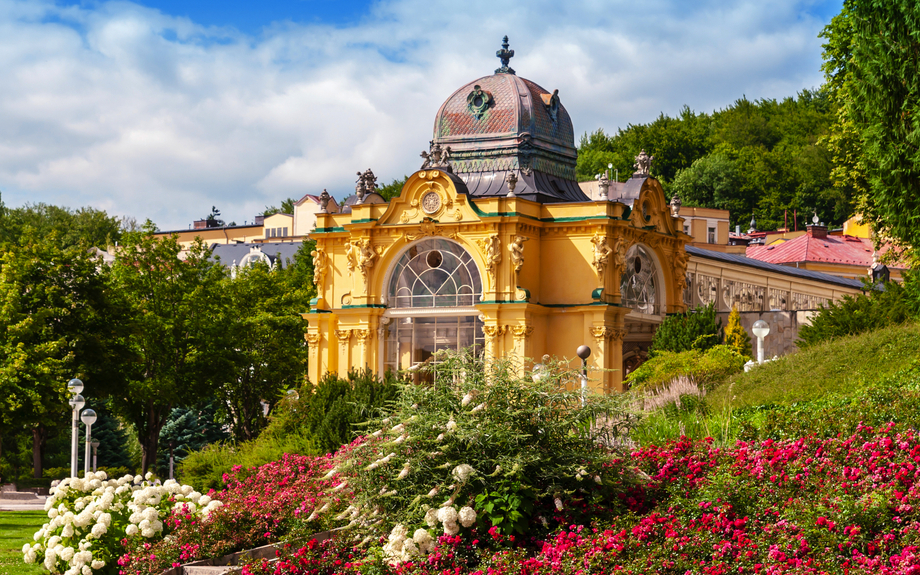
<point x="161" y="109"/>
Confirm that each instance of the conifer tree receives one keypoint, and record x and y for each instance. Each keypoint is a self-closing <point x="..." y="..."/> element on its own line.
<point x="735" y="335"/>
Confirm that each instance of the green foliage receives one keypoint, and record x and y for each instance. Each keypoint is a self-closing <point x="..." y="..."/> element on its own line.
<point x="321" y="419"/>
<point x="878" y="308"/>
<point x="873" y="56"/>
<point x="827" y="388"/>
<point x="186" y="430"/>
<point x="287" y="207"/>
<point x="696" y="329"/>
<point x="84" y="227"/>
<point x="262" y="350"/>
<point x="392" y="189"/>
<point x="752" y="158"/>
<point x="705" y="368"/>
<point x="169" y="335"/>
<point x="16" y="527"/>
<point x="736" y="337"/>
<point x="482" y="433"/>
<point x="328" y="411"/>
<point x="895" y="398"/>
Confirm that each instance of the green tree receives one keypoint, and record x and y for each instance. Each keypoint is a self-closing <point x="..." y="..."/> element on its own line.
<point x="186" y="430"/>
<point x="86" y="226"/>
<point x="263" y="351"/>
<point x="171" y="331"/>
<point x="696" y="329"/>
<point x="736" y="337"/>
<point x="287" y="207"/>
<point x="882" y="90"/>
<point x="53" y="317"/>
<point x="392" y="189"/>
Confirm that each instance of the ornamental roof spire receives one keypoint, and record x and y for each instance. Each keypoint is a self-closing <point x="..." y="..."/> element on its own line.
<point x="505" y="56"/>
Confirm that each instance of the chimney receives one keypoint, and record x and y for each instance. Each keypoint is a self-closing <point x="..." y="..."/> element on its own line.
<point x="817" y="229"/>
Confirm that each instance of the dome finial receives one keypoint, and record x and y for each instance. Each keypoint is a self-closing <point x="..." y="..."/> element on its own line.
<point x="505" y="56"/>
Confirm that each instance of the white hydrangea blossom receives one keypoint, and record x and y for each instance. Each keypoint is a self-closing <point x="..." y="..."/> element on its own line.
<point x="463" y="471"/>
<point x="81" y="512"/>
<point x="467" y="516"/>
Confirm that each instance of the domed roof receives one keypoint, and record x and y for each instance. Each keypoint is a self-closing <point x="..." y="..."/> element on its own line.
<point x="503" y="123"/>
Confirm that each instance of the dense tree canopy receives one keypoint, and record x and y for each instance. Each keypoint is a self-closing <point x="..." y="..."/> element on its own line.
<point x="759" y="158"/>
<point x="872" y="64"/>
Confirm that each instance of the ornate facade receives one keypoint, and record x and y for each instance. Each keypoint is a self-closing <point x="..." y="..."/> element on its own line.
<point x="493" y="245"/>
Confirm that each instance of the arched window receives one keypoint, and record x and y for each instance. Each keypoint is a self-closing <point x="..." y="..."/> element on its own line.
<point x="639" y="285"/>
<point x="435" y="273"/>
<point x="433" y="289"/>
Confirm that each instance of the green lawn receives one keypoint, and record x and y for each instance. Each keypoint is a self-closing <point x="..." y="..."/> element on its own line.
<point x="16" y="528"/>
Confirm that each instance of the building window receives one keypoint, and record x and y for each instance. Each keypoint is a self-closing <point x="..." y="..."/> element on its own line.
<point x="434" y="287"/>
<point x="687" y="228"/>
<point x="284" y="232"/>
<point x="638" y="288"/>
<point x="712" y="235"/>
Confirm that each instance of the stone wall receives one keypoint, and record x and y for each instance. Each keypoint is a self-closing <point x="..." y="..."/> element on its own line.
<point x="784" y="329"/>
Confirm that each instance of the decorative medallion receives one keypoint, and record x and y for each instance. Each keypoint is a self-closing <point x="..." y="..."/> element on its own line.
<point x="431" y="202"/>
<point x="478" y="101"/>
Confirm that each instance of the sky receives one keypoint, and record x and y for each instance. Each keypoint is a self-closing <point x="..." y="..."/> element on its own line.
<point x="161" y="109"/>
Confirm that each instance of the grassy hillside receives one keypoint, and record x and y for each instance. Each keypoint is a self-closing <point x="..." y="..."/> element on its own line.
<point x="872" y="378"/>
<point x="843" y="366"/>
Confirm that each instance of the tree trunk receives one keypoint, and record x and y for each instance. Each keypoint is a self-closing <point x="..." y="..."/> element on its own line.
<point x="151" y="441"/>
<point x="39" y="437"/>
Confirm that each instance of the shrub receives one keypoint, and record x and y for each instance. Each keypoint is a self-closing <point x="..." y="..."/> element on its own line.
<point x="483" y="446"/>
<point x="319" y="421"/>
<point x="696" y="329"/>
<point x="91" y="517"/>
<point x="852" y="315"/>
<point x="704" y="368"/>
<point x="736" y="337"/>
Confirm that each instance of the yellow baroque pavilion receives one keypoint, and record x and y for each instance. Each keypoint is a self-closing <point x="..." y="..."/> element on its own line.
<point x="493" y="244"/>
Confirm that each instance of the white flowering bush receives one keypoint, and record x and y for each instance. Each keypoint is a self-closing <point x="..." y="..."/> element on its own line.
<point x="481" y="447"/>
<point x="89" y="517"/>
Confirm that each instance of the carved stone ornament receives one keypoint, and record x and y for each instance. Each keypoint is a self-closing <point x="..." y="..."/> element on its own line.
<point x="436" y="157"/>
<point x="343" y="335"/>
<point x="505" y="56"/>
<point x="643" y="165"/>
<point x="351" y="257"/>
<point x="320" y="262"/>
<point x="493" y="331"/>
<point x="365" y="257"/>
<point x="511" y="179"/>
<point x="603" y="185"/>
<point x="675" y="205"/>
<point x="516" y="249"/>
<point x="478" y="101"/>
<point x="431" y="202"/>
<point x="426" y="228"/>
<point x="366" y="184"/>
<point x="324" y="201"/>
<point x="492" y="254"/>
<point x="313" y="340"/>
<point x="602" y="253"/>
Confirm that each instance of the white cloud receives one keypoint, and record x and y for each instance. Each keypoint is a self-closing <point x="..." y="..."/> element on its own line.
<point x="130" y="110"/>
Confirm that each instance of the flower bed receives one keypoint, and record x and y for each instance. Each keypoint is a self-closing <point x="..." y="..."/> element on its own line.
<point x="849" y="504"/>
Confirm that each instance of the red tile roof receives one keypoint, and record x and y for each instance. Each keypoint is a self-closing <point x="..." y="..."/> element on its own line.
<point x="848" y="250"/>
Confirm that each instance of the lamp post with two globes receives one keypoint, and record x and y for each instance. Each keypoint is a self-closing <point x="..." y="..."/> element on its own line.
<point x="75" y="386"/>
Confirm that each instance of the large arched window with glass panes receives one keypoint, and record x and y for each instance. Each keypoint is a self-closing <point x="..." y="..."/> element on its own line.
<point x="431" y="297"/>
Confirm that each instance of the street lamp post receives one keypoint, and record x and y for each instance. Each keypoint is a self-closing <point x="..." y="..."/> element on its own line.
<point x="74" y="387"/>
<point x="88" y="417"/>
<point x="584" y="352"/>
<point x="95" y="445"/>
<point x="761" y="330"/>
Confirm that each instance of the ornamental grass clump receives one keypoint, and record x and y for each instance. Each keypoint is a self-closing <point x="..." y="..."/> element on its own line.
<point x="481" y="446"/>
<point x="91" y="518"/>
